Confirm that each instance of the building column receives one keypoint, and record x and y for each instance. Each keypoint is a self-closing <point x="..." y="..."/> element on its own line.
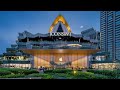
<point x="88" y="62"/>
<point x="79" y="39"/>
<point x="32" y="61"/>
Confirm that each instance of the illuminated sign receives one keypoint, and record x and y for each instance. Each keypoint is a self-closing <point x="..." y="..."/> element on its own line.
<point x="60" y="34"/>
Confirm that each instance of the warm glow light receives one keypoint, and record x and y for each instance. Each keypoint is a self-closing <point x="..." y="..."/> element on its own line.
<point x="60" y="50"/>
<point x="62" y="19"/>
<point x="74" y="45"/>
<point x="60" y="59"/>
<point x="76" y="57"/>
<point x="74" y="72"/>
<point x="106" y="66"/>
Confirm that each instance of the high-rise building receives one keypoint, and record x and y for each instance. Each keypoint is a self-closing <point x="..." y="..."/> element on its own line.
<point x="92" y="34"/>
<point x="110" y="33"/>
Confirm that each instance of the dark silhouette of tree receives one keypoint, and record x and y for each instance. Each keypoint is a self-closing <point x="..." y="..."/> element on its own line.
<point x="1" y="63"/>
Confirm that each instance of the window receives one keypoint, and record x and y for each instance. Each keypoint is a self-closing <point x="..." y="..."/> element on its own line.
<point x="118" y="22"/>
<point x="117" y="13"/>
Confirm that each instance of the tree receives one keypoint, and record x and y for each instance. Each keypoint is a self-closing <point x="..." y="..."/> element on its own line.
<point x="0" y="63"/>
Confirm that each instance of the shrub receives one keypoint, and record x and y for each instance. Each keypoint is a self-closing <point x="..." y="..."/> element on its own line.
<point x="88" y="75"/>
<point x="58" y="71"/>
<point x="99" y="76"/>
<point x="26" y="72"/>
<point x="13" y="76"/>
<point x="105" y="72"/>
<point x="62" y="76"/>
<point x="33" y="75"/>
<point x="48" y="71"/>
<point x="15" y="70"/>
<point x="43" y="76"/>
<point x="22" y="71"/>
<point x="48" y="77"/>
<point x="4" y="72"/>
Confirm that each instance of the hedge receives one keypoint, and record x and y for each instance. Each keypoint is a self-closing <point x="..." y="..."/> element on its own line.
<point x="88" y="75"/>
<point x="12" y="76"/>
<point x="4" y="72"/>
<point x="42" y="75"/>
<point x="104" y="72"/>
<point x="58" y="71"/>
<point x="19" y="71"/>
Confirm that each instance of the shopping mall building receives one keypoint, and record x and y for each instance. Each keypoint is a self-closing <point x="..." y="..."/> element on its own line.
<point x="59" y="48"/>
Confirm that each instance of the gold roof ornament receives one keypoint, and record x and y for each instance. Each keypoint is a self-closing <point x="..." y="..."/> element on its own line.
<point x="61" y="19"/>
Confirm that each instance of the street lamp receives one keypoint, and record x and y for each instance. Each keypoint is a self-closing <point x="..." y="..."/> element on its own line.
<point x="74" y="71"/>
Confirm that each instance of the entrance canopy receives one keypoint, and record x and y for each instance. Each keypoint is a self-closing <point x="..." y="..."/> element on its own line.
<point x="60" y="51"/>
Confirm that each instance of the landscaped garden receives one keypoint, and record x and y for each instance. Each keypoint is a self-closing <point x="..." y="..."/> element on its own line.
<point x="59" y="74"/>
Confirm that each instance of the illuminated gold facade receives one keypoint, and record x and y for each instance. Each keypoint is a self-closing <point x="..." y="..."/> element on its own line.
<point x="61" y="19"/>
<point x="61" y="57"/>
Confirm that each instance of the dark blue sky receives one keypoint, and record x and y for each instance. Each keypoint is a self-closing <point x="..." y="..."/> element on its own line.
<point x="13" y="22"/>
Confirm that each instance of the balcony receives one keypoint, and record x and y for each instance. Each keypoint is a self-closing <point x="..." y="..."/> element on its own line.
<point x="63" y="47"/>
<point x="54" y="42"/>
<point x="21" y="43"/>
<point x="56" y="45"/>
<point x="36" y="47"/>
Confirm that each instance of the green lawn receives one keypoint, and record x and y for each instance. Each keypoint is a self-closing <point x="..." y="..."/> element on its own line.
<point x="59" y="74"/>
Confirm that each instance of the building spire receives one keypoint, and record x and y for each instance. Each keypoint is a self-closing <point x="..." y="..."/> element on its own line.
<point x="61" y="19"/>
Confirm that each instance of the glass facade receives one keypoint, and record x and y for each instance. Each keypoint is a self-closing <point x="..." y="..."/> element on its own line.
<point x="110" y="33"/>
<point x="61" y="60"/>
<point x="117" y="35"/>
<point x="103" y="30"/>
<point x="16" y="64"/>
<point x="11" y="65"/>
<point x="106" y="66"/>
